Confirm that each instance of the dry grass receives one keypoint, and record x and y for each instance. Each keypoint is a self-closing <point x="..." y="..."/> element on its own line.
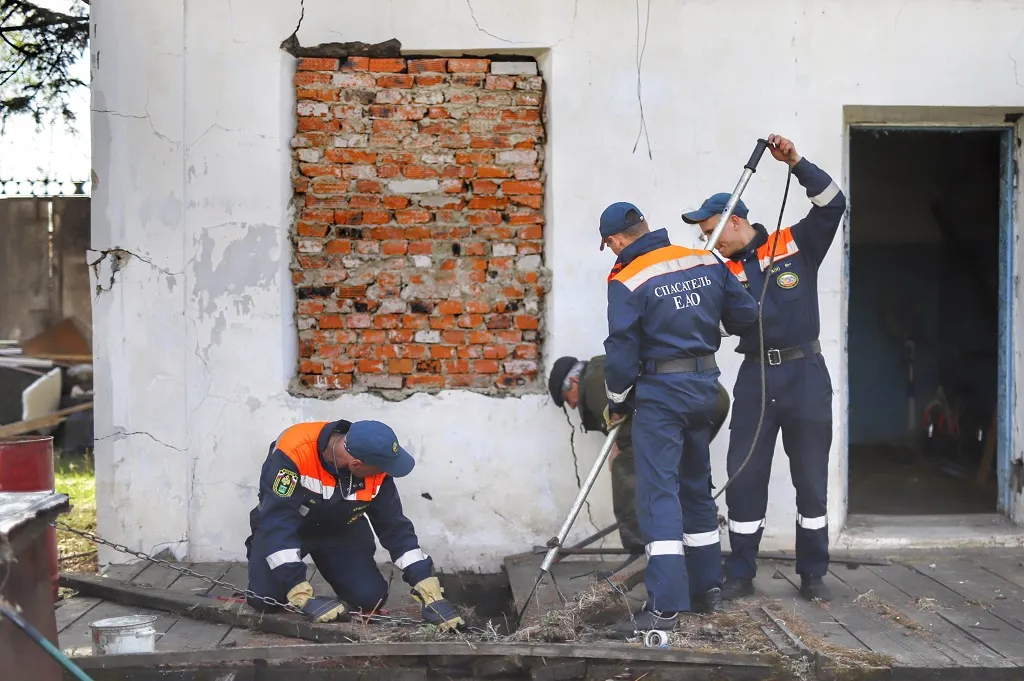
<point x="76" y="477"/>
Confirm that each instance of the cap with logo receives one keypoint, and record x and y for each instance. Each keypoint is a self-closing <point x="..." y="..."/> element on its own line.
<point x="715" y="205"/>
<point x="619" y="217"/>
<point x="375" y="444"/>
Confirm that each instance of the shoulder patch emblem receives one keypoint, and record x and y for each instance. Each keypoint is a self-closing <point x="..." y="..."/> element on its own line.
<point x="787" y="280"/>
<point x="285" y="483"/>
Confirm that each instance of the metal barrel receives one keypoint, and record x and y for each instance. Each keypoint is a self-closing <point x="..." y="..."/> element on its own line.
<point x="26" y="465"/>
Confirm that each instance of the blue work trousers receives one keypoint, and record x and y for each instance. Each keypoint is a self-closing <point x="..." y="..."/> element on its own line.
<point x="346" y="563"/>
<point x="798" y="400"/>
<point x="678" y="518"/>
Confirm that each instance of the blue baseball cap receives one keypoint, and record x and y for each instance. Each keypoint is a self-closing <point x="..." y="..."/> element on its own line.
<point x="375" y="444"/>
<point x="619" y="217"/>
<point x="715" y="205"/>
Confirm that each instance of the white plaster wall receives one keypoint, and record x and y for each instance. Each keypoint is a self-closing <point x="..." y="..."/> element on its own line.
<point x="193" y="113"/>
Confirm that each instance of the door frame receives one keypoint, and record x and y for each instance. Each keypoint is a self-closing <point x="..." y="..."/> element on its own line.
<point x="1006" y="343"/>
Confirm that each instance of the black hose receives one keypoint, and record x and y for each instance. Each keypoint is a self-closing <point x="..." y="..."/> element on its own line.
<point x="760" y="333"/>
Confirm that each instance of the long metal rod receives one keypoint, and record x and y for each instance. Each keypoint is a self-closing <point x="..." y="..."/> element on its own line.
<point x="748" y="170"/>
<point x="556" y="542"/>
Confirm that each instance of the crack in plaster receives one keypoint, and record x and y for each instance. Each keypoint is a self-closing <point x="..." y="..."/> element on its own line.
<point x="121" y="435"/>
<point x="480" y="28"/>
<point x="572" y="26"/>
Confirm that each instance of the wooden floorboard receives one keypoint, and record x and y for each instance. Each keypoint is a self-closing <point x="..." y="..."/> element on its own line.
<point x="158" y="576"/>
<point x="196" y="586"/>
<point x="1000" y="597"/>
<point x="236" y="575"/>
<point x="964" y="649"/>
<point x="792" y="606"/>
<point x="880" y="635"/>
<point x="125" y="572"/>
<point x="973" y="620"/>
<point x="72" y="609"/>
<point x="188" y="634"/>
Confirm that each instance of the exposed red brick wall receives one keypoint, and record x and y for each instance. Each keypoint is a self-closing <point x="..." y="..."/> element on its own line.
<point x="418" y="245"/>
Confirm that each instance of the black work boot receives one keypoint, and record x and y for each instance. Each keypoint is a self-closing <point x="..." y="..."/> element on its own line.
<point x="814" y="589"/>
<point x="707" y="603"/>
<point x="645" y="620"/>
<point x="737" y="588"/>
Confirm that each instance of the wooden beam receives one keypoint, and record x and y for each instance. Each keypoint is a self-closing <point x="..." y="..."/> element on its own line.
<point x="207" y="609"/>
<point x="48" y="421"/>
<point x="615" y="652"/>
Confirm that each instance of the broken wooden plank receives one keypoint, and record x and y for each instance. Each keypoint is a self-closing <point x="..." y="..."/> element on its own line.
<point x="206" y="609"/>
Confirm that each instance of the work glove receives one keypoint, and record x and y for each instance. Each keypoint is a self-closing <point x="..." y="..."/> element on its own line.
<point x="611" y="420"/>
<point x="437" y="610"/>
<point x="317" y="609"/>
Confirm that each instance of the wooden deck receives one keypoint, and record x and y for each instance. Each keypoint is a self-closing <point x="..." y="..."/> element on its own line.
<point x="953" y="615"/>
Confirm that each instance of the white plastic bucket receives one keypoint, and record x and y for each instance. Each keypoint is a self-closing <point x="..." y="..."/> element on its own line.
<point x="119" y="635"/>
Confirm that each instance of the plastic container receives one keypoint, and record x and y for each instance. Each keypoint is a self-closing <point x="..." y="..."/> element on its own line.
<point x="26" y="465"/>
<point x="123" y="635"/>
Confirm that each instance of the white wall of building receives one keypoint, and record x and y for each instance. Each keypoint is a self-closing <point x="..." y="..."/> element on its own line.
<point x="195" y="340"/>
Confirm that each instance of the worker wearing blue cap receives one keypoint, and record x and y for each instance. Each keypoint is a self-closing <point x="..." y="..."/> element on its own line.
<point x="665" y="305"/>
<point x="322" y="486"/>
<point x="798" y="386"/>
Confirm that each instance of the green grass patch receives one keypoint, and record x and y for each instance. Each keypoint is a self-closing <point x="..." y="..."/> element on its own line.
<point x="76" y="477"/>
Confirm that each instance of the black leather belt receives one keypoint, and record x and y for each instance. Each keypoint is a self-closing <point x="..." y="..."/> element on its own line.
<point x="776" y="357"/>
<point x="680" y="365"/>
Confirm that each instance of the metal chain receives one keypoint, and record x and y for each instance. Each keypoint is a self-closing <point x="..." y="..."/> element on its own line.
<point x="226" y="585"/>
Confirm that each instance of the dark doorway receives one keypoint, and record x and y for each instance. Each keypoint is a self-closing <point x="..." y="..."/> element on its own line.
<point x="924" y="321"/>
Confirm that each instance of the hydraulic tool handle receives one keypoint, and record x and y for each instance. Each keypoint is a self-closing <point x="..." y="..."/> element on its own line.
<point x="755" y="157"/>
<point x="748" y="170"/>
<point x="577" y="506"/>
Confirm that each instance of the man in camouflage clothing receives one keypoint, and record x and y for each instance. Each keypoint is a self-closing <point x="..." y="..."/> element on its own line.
<point x="580" y="385"/>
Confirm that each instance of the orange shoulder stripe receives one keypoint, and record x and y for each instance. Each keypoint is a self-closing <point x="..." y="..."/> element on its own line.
<point x="664" y="260"/>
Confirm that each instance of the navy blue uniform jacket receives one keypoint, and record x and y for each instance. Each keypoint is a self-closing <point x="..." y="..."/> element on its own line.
<point x="304" y="504"/>
<point x="791" y="316"/>
<point x="666" y="302"/>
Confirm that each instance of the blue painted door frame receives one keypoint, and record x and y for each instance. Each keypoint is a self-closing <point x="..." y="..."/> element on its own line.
<point x="1007" y="174"/>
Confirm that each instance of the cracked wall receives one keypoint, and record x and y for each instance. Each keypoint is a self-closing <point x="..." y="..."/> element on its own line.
<point x="195" y="109"/>
<point x="418" y="246"/>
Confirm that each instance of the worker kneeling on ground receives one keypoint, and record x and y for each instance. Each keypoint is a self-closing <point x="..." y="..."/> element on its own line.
<point x="580" y="384"/>
<point x="322" y="486"/>
<point x="665" y="305"/>
<point x="798" y="387"/>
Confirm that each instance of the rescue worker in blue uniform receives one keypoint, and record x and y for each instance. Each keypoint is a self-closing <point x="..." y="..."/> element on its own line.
<point x="798" y="385"/>
<point x="322" y="486"/>
<point x="580" y="385"/>
<point x="665" y="306"/>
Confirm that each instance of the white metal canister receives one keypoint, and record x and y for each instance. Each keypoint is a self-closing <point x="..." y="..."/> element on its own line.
<point x="120" y="635"/>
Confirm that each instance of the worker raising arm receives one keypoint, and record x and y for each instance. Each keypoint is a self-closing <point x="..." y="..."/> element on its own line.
<point x="665" y="305"/>
<point x="322" y="486"/>
<point x="798" y="386"/>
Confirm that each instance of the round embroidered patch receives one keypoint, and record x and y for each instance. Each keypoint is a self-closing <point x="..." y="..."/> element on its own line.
<point x="787" y="280"/>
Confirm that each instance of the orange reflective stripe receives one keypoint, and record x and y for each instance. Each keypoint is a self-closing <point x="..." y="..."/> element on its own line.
<point x="663" y="260"/>
<point x="737" y="269"/>
<point x="615" y="270"/>
<point x="784" y="243"/>
<point x="299" y="443"/>
<point x="371" y="487"/>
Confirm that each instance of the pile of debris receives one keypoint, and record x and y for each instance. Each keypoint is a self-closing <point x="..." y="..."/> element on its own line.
<point x="46" y="386"/>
